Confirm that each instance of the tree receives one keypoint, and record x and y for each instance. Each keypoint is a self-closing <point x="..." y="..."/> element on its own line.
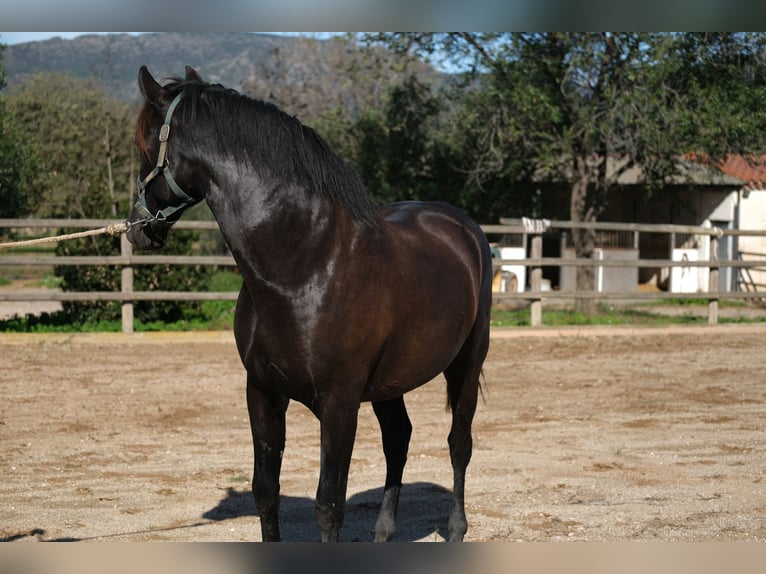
<point x="85" y="142"/>
<point x="395" y="147"/>
<point x="312" y="78"/>
<point x="89" y="171"/>
<point x="17" y="164"/>
<point x="581" y="108"/>
<point x="375" y="107"/>
<point x="723" y="76"/>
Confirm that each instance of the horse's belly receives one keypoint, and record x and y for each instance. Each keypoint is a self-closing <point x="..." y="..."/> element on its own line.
<point x="406" y="366"/>
<point x="387" y="388"/>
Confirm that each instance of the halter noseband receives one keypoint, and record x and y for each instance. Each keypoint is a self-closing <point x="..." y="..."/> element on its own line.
<point x="161" y="167"/>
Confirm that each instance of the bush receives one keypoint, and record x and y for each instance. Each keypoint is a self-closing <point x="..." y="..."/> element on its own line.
<point x="146" y="278"/>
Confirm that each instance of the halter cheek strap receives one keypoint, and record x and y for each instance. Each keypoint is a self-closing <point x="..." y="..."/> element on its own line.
<point x="161" y="167"/>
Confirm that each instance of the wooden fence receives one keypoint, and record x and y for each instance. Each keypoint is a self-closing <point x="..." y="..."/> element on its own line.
<point x="126" y="260"/>
<point x="532" y="233"/>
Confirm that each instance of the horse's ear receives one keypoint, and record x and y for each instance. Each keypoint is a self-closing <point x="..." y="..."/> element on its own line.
<point x="150" y="88"/>
<point x="191" y="74"/>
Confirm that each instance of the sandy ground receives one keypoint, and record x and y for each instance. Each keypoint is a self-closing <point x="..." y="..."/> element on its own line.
<point x="595" y="434"/>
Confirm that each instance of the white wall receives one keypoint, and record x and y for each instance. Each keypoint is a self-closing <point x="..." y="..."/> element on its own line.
<point x="752" y="215"/>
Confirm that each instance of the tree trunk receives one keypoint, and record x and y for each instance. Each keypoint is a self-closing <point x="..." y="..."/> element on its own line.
<point x="584" y="240"/>
<point x="109" y="177"/>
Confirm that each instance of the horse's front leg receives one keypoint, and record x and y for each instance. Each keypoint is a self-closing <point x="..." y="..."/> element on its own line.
<point x="338" y="419"/>
<point x="267" y="424"/>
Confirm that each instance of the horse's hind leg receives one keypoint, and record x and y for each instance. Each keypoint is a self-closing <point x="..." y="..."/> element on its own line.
<point x="463" y="389"/>
<point x="396" y="429"/>
<point x="267" y="424"/>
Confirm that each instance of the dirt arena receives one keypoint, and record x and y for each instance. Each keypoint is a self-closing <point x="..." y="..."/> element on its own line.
<point x="595" y="434"/>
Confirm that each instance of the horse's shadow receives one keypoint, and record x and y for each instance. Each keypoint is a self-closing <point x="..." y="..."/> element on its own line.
<point x="423" y="514"/>
<point x="424" y="510"/>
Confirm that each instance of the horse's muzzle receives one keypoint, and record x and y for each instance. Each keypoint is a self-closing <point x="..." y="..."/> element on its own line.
<point x="147" y="235"/>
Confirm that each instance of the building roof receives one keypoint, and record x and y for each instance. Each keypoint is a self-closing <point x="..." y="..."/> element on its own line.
<point x="690" y="170"/>
<point x="750" y="170"/>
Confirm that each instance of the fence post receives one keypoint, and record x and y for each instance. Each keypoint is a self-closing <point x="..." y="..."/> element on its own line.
<point x="712" y="306"/>
<point x="126" y="284"/>
<point x="670" y="258"/>
<point x="536" y="281"/>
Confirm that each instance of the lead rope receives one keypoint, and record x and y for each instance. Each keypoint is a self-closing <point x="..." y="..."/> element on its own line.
<point x="113" y="229"/>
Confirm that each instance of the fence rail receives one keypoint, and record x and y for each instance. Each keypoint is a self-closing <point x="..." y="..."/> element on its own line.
<point x="533" y="261"/>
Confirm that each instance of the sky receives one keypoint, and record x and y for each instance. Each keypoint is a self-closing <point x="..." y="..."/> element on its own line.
<point x="10" y="38"/>
<point x="21" y="37"/>
<point x="378" y="15"/>
<point x="264" y="15"/>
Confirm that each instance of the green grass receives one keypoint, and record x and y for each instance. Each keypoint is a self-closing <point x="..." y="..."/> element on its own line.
<point x="47" y="280"/>
<point x="50" y="282"/>
<point x="40" y="325"/>
<point x="216" y="315"/>
<point x="563" y="317"/>
<point x="645" y="314"/>
<point x="219" y="315"/>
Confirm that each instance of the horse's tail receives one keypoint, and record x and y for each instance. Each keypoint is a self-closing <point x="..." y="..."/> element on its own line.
<point x="470" y="359"/>
<point x="485" y="304"/>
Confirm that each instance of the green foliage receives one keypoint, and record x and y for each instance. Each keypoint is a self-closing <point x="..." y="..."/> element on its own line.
<point x="208" y="315"/>
<point x="89" y="278"/>
<point x="88" y="171"/>
<point x="410" y="114"/>
<point x="172" y="278"/>
<point x="84" y="142"/>
<point x="220" y="314"/>
<point x="537" y="107"/>
<point x="584" y="108"/>
<point x="397" y="148"/>
<point x="17" y="163"/>
<point x="146" y="278"/>
<point x="523" y="129"/>
<point x="16" y="168"/>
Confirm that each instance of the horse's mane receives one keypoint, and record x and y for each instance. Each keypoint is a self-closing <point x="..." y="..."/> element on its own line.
<point x="260" y="134"/>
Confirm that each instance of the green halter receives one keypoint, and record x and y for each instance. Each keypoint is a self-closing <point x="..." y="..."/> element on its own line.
<point x="162" y="167"/>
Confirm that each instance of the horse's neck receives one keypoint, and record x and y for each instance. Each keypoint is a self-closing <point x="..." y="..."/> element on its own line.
<point x="278" y="234"/>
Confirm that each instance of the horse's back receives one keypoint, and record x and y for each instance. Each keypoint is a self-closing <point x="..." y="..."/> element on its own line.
<point x="440" y="235"/>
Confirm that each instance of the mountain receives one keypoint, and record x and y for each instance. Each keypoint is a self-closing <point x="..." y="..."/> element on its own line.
<point x="227" y="58"/>
<point x="304" y="76"/>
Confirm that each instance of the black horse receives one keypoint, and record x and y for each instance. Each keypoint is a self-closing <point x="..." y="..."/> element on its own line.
<point x="342" y="301"/>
